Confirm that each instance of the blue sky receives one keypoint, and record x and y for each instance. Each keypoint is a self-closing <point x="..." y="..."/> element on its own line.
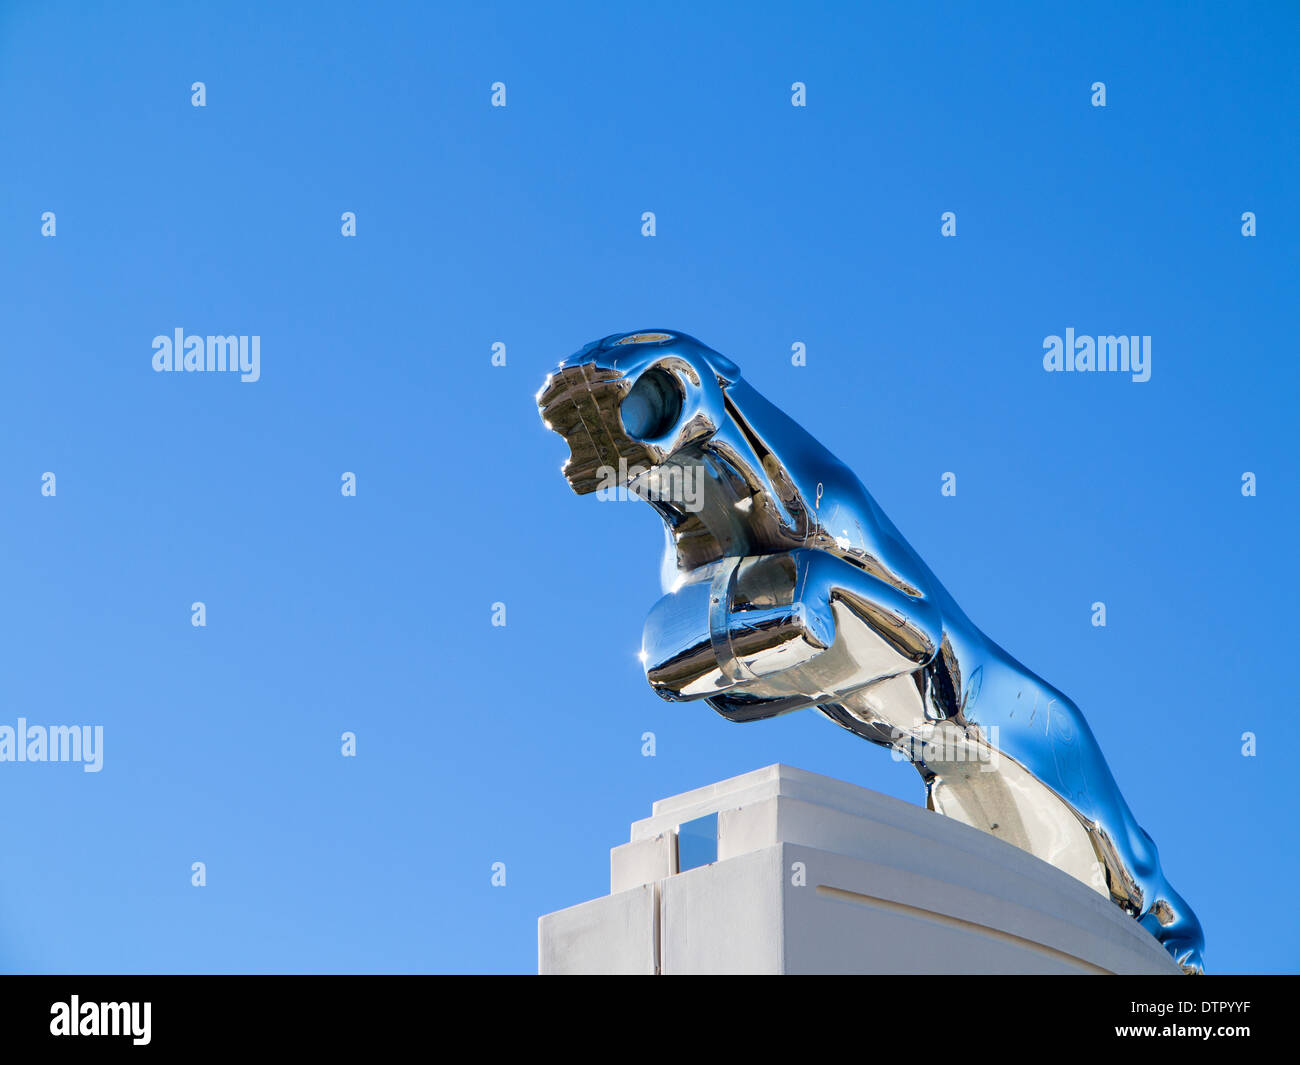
<point x="522" y="225"/>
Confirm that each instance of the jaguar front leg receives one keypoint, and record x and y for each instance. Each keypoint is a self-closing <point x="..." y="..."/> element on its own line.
<point x="767" y="634"/>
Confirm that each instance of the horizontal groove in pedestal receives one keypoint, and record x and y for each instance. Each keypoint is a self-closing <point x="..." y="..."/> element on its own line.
<point x="948" y="921"/>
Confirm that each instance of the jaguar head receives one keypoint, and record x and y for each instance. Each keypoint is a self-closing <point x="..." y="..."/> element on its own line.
<point x="632" y="401"/>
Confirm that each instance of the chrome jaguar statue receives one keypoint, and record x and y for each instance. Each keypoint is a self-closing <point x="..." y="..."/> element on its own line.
<point x="787" y="587"/>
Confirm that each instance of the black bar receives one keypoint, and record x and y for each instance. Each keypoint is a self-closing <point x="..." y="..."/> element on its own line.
<point x="339" y="1014"/>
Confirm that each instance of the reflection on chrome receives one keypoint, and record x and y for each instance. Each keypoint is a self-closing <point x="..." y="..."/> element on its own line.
<point x="786" y="587"/>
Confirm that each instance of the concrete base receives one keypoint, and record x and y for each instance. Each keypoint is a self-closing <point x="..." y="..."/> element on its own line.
<point x="785" y="871"/>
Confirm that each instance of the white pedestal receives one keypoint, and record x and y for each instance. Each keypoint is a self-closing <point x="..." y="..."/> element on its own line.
<point x="813" y="875"/>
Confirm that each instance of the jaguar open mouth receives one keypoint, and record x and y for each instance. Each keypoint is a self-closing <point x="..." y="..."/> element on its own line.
<point x="582" y="403"/>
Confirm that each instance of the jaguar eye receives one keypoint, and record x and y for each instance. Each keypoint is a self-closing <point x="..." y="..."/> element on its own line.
<point x="653" y="406"/>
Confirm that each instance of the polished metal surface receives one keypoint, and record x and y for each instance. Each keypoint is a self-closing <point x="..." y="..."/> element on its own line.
<point x="786" y="587"/>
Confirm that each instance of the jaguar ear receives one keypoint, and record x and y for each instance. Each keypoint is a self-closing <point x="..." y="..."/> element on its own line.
<point x="687" y="347"/>
<point x="727" y="372"/>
